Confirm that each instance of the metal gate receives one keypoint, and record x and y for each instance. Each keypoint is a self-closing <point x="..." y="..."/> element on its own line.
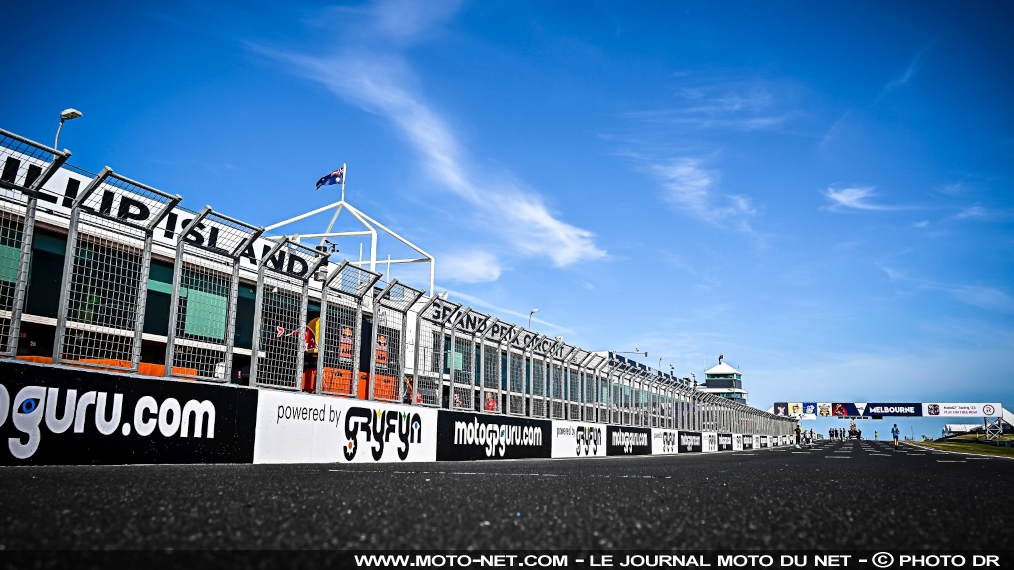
<point x="105" y="272"/>
<point x="339" y="329"/>
<point x="27" y="166"/>
<point x="202" y="309"/>
<point x="278" y="346"/>
<point x="387" y="362"/>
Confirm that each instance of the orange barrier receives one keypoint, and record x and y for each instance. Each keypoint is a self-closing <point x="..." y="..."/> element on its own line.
<point x="144" y="368"/>
<point x="339" y="381"/>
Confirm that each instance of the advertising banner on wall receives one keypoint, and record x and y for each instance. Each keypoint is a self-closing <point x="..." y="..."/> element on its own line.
<point x="293" y="427"/>
<point x="737" y="442"/>
<point x="66" y="416"/>
<point x="689" y="442"/>
<point x="663" y="441"/>
<point x="725" y="442"/>
<point x="763" y="440"/>
<point x="895" y="409"/>
<point x="748" y="442"/>
<point x="709" y="441"/>
<point x="576" y="439"/>
<point x="464" y="436"/>
<point x="627" y="440"/>
<point x="968" y="410"/>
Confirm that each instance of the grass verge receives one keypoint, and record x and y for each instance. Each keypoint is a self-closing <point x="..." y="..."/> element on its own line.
<point x="976" y="448"/>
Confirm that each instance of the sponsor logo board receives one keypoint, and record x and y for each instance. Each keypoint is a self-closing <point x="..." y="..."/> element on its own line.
<point x="709" y="441"/>
<point x="748" y="442"/>
<point x="65" y="416"/>
<point x="626" y="440"/>
<point x="763" y="441"/>
<point x="664" y="441"/>
<point x="689" y="441"/>
<point x="953" y="409"/>
<point x="463" y="436"/>
<point x="576" y="439"/>
<point x="304" y="428"/>
<point x="725" y="442"/>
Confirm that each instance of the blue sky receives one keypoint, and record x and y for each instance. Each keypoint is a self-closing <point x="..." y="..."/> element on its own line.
<point x="821" y="192"/>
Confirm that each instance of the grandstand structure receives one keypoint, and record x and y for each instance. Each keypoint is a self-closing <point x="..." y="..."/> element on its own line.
<point x="101" y="271"/>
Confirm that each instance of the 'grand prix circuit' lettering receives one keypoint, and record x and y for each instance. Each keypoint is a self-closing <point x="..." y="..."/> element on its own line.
<point x="379" y="426"/>
<point x="33" y="404"/>
<point x="496" y="437"/>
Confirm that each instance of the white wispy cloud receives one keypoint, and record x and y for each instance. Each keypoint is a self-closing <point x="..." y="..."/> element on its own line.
<point x="980" y="212"/>
<point x="383" y="83"/>
<point x="907" y="74"/>
<point x="500" y="312"/>
<point x="690" y="188"/>
<point x="856" y="198"/>
<point x="987" y="298"/>
<point x="476" y="266"/>
<point x="982" y="296"/>
<point x="714" y="103"/>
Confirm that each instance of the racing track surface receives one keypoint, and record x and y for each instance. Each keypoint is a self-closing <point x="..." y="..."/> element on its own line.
<point x="847" y="495"/>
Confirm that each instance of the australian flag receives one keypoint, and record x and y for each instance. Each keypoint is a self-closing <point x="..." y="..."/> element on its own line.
<point x="336" y="177"/>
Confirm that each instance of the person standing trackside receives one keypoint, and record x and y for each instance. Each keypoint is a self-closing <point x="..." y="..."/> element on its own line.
<point x="876" y="435"/>
<point x="895" y="432"/>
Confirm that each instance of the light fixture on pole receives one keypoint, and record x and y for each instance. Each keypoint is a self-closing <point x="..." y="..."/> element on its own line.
<point x="530" y="313"/>
<point x="660" y="363"/>
<point x="66" y="115"/>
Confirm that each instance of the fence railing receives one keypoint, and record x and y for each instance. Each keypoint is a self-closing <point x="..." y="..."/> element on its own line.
<point x="371" y="339"/>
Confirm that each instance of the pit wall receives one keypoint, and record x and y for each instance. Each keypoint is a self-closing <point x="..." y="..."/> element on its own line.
<point x="53" y="415"/>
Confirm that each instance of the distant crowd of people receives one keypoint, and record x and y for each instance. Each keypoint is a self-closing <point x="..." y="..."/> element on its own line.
<point x="842" y="434"/>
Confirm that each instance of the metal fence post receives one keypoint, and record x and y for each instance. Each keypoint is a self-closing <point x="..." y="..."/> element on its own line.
<point x="68" y="263"/>
<point x="258" y="303"/>
<point x="174" y="299"/>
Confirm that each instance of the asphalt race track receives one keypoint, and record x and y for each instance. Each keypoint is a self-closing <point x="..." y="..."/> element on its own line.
<point x="852" y="495"/>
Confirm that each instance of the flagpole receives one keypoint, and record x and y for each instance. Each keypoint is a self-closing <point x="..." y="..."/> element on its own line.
<point x="345" y="174"/>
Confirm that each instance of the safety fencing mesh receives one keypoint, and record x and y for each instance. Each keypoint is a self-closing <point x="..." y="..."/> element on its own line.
<point x="280" y="315"/>
<point x="539" y="408"/>
<point x="26" y="165"/>
<point x="339" y="328"/>
<point x="432" y="358"/>
<point x="557" y="391"/>
<point x="492" y="376"/>
<point x="390" y="323"/>
<point x="202" y="325"/>
<point x="105" y="279"/>
<point x="517" y="380"/>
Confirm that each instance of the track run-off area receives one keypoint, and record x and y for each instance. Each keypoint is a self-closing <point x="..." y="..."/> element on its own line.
<point x="839" y="495"/>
